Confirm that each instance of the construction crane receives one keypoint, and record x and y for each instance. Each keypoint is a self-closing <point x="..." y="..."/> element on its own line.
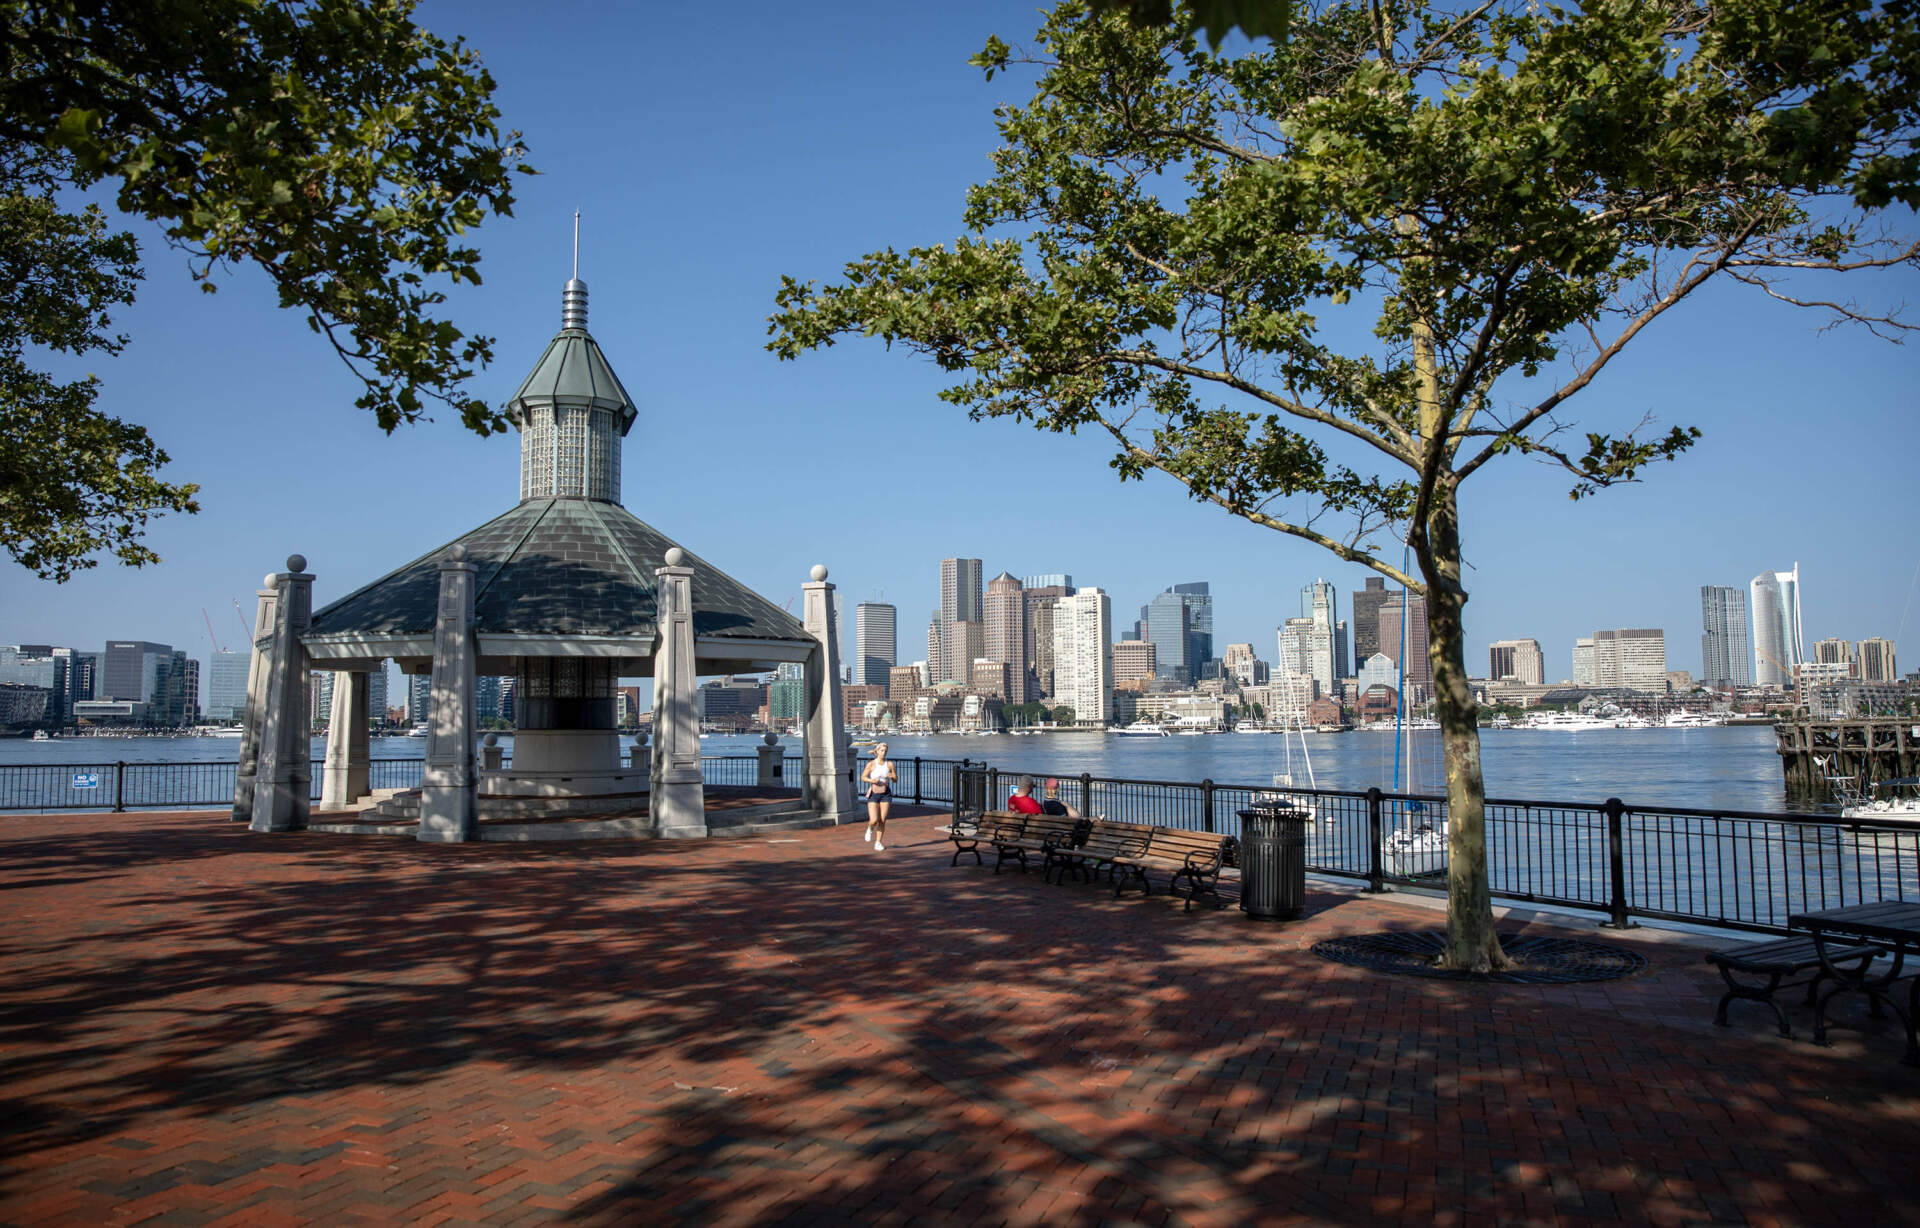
<point x="246" y="628"/>
<point x="214" y="639"/>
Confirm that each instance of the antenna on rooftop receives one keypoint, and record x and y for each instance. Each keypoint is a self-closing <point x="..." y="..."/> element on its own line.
<point x="576" y="245"/>
<point x="573" y="300"/>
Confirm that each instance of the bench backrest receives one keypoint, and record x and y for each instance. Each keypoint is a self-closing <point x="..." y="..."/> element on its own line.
<point x="1032" y="826"/>
<point x="1177" y="842"/>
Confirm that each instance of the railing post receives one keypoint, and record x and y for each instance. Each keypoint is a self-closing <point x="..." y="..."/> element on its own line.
<point x="119" y="786"/>
<point x="1376" y="871"/>
<point x="993" y="789"/>
<point x="917" y="799"/>
<point x="1086" y="794"/>
<point x="1616" y="865"/>
<point x="1206" y="792"/>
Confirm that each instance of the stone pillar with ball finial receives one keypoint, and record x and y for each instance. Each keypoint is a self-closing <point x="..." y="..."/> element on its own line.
<point x="283" y="777"/>
<point x="828" y="784"/>
<point x="254" y="716"/>
<point x="448" y="794"/>
<point x="677" y="800"/>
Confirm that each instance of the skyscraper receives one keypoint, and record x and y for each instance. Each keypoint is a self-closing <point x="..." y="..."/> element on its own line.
<point x="419" y="698"/>
<point x="1517" y="661"/>
<point x="1876" y="661"/>
<point x="1306" y="648"/>
<point x="1634" y="658"/>
<point x="227" y="685"/>
<point x="1833" y="652"/>
<point x="1132" y="660"/>
<point x="960" y="601"/>
<point x="1404" y="616"/>
<point x="1006" y="628"/>
<point x="1777" y="642"/>
<point x="1199" y="601"/>
<point x="1169" y="622"/>
<point x="1366" y="619"/>
<point x="1583" y="661"/>
<point x="876" y="646"/>
<point x="1083" y="655"/>
<point x="1321" y="603"/>
<point x="1052" y="579"/>
<point x="1726" y="652"/>
<point x="967" y="643"/>
<point x="131" y="669"/>
<point x="1040" y="601"/>
<point x="937" y="646"/>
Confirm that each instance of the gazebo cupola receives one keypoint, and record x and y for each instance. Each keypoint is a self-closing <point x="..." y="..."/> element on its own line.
<point x="572" y="413"/>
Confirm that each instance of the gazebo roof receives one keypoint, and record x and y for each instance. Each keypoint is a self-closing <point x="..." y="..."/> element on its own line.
<point x="574" y="372"/>
<point x="552" y="569"/>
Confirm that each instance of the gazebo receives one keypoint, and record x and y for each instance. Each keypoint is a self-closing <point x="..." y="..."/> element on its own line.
<point x="567" y="592"/>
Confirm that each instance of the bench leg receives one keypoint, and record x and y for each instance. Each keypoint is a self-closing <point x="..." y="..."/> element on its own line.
<point x="1752" y="993"/>
<point x="959" y="848"/>
<point x="1122" y="875"/>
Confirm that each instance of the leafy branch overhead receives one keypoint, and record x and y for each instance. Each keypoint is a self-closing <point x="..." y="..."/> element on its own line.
<point x="1177" y="246"/>
<point x="332" y="144"/>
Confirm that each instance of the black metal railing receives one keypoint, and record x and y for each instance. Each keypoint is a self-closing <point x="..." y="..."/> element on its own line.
<point x="1737" y="869"/>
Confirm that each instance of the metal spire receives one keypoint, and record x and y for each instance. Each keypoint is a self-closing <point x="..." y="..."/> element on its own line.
<point x="573" y="300"/>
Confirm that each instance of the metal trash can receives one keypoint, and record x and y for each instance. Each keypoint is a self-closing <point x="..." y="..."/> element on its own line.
<point x="1273" y="862"/>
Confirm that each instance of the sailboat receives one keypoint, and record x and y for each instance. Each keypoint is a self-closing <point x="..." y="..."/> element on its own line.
<point x="1308" y="805"/>
<point x="1417" y="848"/>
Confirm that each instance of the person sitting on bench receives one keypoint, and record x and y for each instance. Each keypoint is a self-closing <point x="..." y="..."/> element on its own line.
<point x="1022" y="801"/>
<point x="1050" y="802"/>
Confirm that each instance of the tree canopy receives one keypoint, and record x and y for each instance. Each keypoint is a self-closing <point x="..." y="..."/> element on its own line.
<point x="1322" y="283"/>
<point x="332" y="144"/>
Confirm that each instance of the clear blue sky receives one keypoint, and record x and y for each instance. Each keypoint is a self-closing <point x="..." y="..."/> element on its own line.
<point x="712" y="150"/>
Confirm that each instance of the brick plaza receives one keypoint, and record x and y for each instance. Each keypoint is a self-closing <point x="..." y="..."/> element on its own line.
<point x="201" y="1025"/>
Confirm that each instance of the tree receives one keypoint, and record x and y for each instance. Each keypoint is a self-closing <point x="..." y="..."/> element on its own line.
<point x="1064" y="715"/>
<point x="1323" y="284"/>
<point x="332" y="144"/>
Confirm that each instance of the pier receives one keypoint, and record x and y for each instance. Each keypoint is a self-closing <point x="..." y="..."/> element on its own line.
<point x="1878" y="749"/>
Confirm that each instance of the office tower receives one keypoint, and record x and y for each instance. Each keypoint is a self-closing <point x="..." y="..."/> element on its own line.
<point x="1833" y="652"/>
<point x="1321" y="602"/>
<point x="1726" y="652"/>
<point x="1307" y="647"/>
<point x="319" y="698"/>
<point x="227" y="685"/>
<point x="1053" y="579"/>
<point x="875" y="645"/>
<point x="1634" y="658"/>
<point x="1083" y="655"/>
<point x="1169" y="626"/>
<point x="131" y="669"/>
<point x="419" y="698"/>
<point x="990" y="677"/>
<point x="960" y="601"/>
<point x="1516" y="661"/>
<point x="1199" y="625"/>
<point x="937" y="647"/>
<point x="1583" y="662"/>
<point x="83" y="677"/>
<point x="1040" y="601"/>
<point x="1775" y="597"/>
<point x="1132" y="660"/>
<point x="1241" y="665"/>
<point x="1366" y="619"/>
<point x="1876" y="661"/>
<point x="377" y="696"/>
<point x="903" y="684"/>
<point x="1404" y="617"/>
<point x="180" y="691"/>
<point x="1006" y="633"/>
<point x="967" y="643"/>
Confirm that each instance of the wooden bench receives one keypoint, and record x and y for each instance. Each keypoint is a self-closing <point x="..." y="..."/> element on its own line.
<point x="1776" y="961"/>
<point x="1196" y="856"/>
<point x="1012" y="836"/>
<point x="1092" y="846"/>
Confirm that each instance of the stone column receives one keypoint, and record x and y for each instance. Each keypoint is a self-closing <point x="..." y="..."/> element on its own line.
<point x="255" y="715"/>
<point x="283" y="779"/>
<point x="678" y="802"/>
<point x="448" y="799"/>
<point x="827" y="788"/>
<point x="347" y="776"/>
<point x="770" y="762"/>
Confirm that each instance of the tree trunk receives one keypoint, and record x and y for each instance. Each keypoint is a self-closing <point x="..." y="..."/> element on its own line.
<point x="1472" y="944"/>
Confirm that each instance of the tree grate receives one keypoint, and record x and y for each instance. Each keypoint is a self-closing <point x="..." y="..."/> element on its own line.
<point x="1543" y="961"/>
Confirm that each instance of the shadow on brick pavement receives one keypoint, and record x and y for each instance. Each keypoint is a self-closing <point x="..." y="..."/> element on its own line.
<point x="205" y="1023"/>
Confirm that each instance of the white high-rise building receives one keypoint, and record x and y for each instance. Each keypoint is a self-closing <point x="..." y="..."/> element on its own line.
<point x="1583" y="661"/>
<point x="1518" y="661"/>
<point x="1307" y="646"/>
<point x="875" y="647"/>
<point x="1083" y="655"/>
<point x="1726" y="652"/>
<point x="1775" y="597"/>
<point x="1634" y="658"/>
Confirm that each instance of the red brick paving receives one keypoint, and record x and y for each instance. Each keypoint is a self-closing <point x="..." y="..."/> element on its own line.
<point x="207" y="1026"/>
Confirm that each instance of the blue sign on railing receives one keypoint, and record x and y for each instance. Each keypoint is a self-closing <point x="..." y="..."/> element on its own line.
<point x="86" y="780"/>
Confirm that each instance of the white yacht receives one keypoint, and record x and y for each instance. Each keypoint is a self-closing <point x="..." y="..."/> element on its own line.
<point x="1694" y="720"/>
<point x="1142" y="729"/>
<point x="1571" y="722"/>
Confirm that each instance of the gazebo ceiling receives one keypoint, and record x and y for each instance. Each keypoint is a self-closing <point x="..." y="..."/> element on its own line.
<point x="557" y="569"/>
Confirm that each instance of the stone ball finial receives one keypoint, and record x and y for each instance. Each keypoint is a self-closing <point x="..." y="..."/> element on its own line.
<point x="675" y="556"/>
<point x="456" y="553"/>
<point x="819" y="572"/>
<point x="771" y="739"/>
<point x="296" y="562"/>
<point x="492" y="739"/>
<point x="269" y="581"/>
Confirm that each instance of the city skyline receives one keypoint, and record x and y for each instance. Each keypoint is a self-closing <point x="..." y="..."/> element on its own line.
<point x="877" y="134"/>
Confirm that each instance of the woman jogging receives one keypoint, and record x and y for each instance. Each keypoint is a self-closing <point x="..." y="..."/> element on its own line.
<point x="879" y="778"/>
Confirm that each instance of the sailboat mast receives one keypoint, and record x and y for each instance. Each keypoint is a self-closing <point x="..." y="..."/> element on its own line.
<point x="1400" y="693"/>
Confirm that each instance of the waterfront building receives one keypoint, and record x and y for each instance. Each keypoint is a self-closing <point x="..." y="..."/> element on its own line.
<point x="377" y="696"/>
<point x="1292" y="692"/>
<point x="1241" y="665"/>
<point x="1726" y="650"/>
<point x="51" y="669"/>
<point x="1366" y="618"/>
<point x="967" y="643"/>
<point x="180" y="685"/>
<point x="1876" y="661"/>
<point x="961" y="601"/>
<point x="419" y="694"/>
<point x="132" y="669"/>
<point x="1168" y="628"/>
<point x="1826" y="689"/>
<point x="112" y="712"/>
<point x="1833" y="652"/>
<point x="486" y="698"/>
<point x="319" y="698"/>
<point x="1040" y="600"/>
<point x="1583" y="661"/>
<point x="903" y="685"/>
<point x="1517" y="661"/>
<point x="1199" y="601"/>
<point x="1052" y="579"/>
<point x="1083" y="655"/>
<point x="23" y="704"/>
<point x="1392" y="628"/>
<point x="1634" y="658"/>
<point x="1679" y="682"/>
<point x="1132" y="660"/>
<point x="1377" y="670"/>
<point x="786" y="700"/>
<point x="990" y="677"/>
<point x="731" y="701"/>
<point x="1777" y="642"/>
<point x="227" y="685"/>
<point x="1306" y="646"/>
<point x="1320" y="602"/>
<point x="937" y="646"/>
<point x="1006" y="634"/>
<point x="875" y="644"/>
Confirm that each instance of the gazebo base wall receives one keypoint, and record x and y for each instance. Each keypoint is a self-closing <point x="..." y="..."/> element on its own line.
<point x="548" y="751"/>
<point x="513" y="782"/>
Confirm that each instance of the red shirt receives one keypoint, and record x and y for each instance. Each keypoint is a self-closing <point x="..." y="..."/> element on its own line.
<point x="1022" y="804"/>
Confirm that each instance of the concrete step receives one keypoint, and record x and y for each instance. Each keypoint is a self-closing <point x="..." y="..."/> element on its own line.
<point x="759" y="823"/>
